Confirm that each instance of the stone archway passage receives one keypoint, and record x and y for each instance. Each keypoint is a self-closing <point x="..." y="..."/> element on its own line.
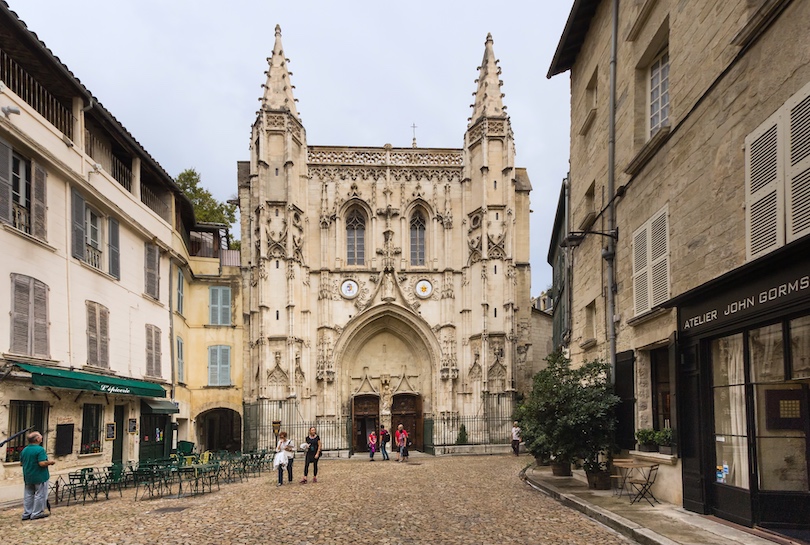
<point x="220" y="429"/>
<point x="406" y="409"/>
<point x="365" y="419"/>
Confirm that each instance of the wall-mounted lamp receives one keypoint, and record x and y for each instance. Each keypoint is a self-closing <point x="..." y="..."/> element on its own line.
<point x="8" y="110"/>
<point x="575" y="238"/>
<point x="96" y="167"/>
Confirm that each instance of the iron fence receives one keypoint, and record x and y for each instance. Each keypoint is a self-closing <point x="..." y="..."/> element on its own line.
<point x="471" y="430"/>
<point x="260" y="435"/>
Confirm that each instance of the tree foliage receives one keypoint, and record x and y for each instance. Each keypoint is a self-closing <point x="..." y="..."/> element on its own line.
<point x="206" y="207"/>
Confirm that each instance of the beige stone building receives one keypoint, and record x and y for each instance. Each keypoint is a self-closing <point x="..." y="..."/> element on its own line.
<point x="383" y="285"/>
<point x="711" y="194"/>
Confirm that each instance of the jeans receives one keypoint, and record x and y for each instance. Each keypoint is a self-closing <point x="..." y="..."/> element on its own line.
<point x="384" y="451"/>
<point x="35" y="498"/>
<point x="289" y="471"/>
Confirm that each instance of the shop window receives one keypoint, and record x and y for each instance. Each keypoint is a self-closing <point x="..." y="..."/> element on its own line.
<point x="219" y="307"/>
<point x="153" y="351"/>
<point x="21" y="416"/>
<point x="661" y="392"/>
<point x="29" y="316"/>
<point x="91" y="428"/>
<point x="800" y="348"/>
<point x="219" y="365"/>
<point x="98" y="336"/>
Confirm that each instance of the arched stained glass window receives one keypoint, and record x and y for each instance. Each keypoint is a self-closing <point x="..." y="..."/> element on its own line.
<point x="418" y="238"/>
<point x="355" y="238"/>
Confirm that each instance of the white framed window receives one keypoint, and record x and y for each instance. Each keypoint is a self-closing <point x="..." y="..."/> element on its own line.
<point x="219" y="305"/>
<point x="418" y="226"/>
<point x="219" y="365"/>
<point x="777" y="178"/>
<point x="29" y="316"/>
<point x="658" y="84"/>
<point x="98" y="335"/>
<point x="153" y="351"/>
<point x="88" y="237"/>
<point x="181" y="286"/>
<point x="23" y="186"/>
<point x="355" y="237"/>
<point x="181" y="362"/>
<point x="651" y="263"/>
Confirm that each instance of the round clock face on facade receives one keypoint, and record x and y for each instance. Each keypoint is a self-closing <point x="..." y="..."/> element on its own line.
<point x="423" y="289"/>
<point x="349" y="289"/>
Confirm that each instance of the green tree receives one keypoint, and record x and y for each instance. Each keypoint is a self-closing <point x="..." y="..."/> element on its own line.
<point x="206" y="207"/>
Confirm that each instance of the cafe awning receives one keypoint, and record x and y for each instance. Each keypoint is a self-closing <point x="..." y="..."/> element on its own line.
<point x="58" y="377"/>
<point x="158" y="406"/>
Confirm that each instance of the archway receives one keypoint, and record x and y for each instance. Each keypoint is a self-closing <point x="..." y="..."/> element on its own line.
<point x="219" y="429"/>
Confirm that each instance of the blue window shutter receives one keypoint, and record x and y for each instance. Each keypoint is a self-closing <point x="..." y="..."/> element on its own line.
<point x="213" y="365"/>
<point x="225" y="306"/>
<point x="224" y="365"/>
<point x="213" y="305"/>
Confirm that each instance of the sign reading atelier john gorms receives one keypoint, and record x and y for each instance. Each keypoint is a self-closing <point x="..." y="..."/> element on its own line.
<point x="777" y="288"/>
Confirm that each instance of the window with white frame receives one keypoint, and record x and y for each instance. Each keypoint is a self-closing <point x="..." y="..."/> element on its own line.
<point x="98" y="331"/>
<point x="219" y="305"/>
<point x="418" y="238"/>
<point x="355" y="237"/>
<point x="181" y="362"/>
<point x="29" y="316"/>
<point x="23" y="186"/>
<point x="219" y="365"/>
<point x="651" y="263"/>
<point x="181" y="286"/>
<point x="153" y="351"/>
<point x="90" y="229"/>
<point x="777" y="178"/>
<point x="151" y="270"/>
<point x="659" y="91"/>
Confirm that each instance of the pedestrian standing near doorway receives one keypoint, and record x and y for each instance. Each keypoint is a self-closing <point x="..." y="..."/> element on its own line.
<point x="313" y="454"/>
<point x="285" y="454"/>
<point x="401" y="436"/>
<point x="384" y="438"/>
<point x="397" y="434"/>
<point x="34" y="462"/>
<point x="372" y="445"/>
<point x="515" y="438"/>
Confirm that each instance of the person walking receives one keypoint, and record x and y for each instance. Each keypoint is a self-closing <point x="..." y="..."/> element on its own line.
<point x="372" y="445"/>
<point x="401" y="437"/>
<point x="397" y="433"/>
<point x="285" y="454"/>
<point x="34" y="462"/>
<point x="384" y="438"/>
<point x="515" y="438"/>
<point x="313" y="453"/>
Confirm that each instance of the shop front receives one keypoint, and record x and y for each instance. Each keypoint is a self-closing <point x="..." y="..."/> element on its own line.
<point x="744" y="379"/>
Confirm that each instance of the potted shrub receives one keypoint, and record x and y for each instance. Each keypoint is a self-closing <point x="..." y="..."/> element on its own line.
<point x="569" y="414"/>
<point x="664" y="440"/>
<point x="646" y="438"/>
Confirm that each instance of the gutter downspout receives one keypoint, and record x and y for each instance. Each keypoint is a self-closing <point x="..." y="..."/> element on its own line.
<point x="609" y="253"/>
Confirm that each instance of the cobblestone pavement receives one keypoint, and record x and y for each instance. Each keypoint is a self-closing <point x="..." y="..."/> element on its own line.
<point x="447" y="500"/>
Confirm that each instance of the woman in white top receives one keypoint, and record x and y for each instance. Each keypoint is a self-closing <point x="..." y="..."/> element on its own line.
<point x="285" y="454"/>
<point x="515" y="438"/>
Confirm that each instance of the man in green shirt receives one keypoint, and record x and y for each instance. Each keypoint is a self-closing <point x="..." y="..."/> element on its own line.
<point x="34" y="462"/>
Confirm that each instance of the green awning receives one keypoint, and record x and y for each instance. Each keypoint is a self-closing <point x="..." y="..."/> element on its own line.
<point x="59" y="377"/>
<point x="158" y="406"/>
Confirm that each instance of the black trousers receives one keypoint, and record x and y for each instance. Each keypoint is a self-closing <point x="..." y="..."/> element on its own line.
<point x="311" y="460"/>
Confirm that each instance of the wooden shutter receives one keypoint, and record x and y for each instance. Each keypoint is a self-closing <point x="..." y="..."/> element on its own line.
<point x="764" y="187"/>
<point x="20" y="313"/>
<point x="114" y="246"/>
<point x="797" y="113"/>
<point x="150" y="350"/>
<point x="213" y="366"/>
<point x="40" y="312"/>
<point x="158" y="354"/>
<point x="181" y="364"/>
<point x="151" y="270"/>
<point x="641" y="291"/>
<point x="224" y="305"/>
<point x="224" y="365"/>
<point x="659" y="259"/>
<point x="77" y="238"/>
<point x="180" y="290"/>
<point x="213" y="305"/>
<point x="92" y="333"/>
<point x="39" y="209"/>
<point x="103" y="337"/>
<point x="5" y="182"/>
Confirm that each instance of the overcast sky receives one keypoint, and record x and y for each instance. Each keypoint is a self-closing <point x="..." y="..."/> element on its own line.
<point x="184" y="77"/>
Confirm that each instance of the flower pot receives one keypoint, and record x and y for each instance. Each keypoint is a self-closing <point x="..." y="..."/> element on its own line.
<point x="598" y="480"/>
<point x="647" y="447"/>
<point x="561" y="469"/>
<point x="668" y="449"/>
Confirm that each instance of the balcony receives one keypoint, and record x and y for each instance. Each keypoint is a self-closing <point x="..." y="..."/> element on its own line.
<point x="92" y="256"/>
<point x="96" y="148"/>
<point x="154" y="202"/>
<point x="22" y="218"/>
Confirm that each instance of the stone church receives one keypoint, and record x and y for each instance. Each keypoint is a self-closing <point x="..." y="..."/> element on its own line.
<point x="383" y="285"/>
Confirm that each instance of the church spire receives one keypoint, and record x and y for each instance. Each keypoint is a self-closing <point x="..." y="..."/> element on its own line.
<point x="488" y="97"/>
<point x="278" y="89"/>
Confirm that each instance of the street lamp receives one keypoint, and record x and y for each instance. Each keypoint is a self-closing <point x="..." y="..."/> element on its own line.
<point x="575" y="238"/>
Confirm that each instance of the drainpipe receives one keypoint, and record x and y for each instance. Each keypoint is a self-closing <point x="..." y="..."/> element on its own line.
<point x="609" y="253"/>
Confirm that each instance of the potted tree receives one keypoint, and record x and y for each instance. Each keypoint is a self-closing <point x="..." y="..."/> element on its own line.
<point x="569" y="414"/>
<point x="664" y="440"/>
<point x="646" y="438"/>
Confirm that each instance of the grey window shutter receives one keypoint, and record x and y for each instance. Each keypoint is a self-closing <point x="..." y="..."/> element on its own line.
<point x="39" y="209"/>
<point x="103" y="337"/>
<point x="40" y="312"/>
<point x="225" y="306"/>
<point x="92" y="333"/>
<point x="213" y="365"/>
<point x="5" y="182"/>
<point x="213" y="305"/>
<point x="20" y="313"/>
<point x="224" y="365"/>
<point x="151" y="270"/>
<point x="156" y="367"/>
<point x="150" y="350"/>
<point x="114" y="247"/>
<point x="78" y="225"/>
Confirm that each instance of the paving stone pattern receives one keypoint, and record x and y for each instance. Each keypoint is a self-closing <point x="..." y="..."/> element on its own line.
<point x="448" y="500"/>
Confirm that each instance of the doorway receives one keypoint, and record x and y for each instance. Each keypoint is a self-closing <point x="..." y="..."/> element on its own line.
<point x="406" y="409"/>
<point x="366" y="418"/>
<point x="118" y="442"/>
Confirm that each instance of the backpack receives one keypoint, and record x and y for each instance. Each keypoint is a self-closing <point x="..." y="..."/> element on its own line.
<point x="385" y="437"/>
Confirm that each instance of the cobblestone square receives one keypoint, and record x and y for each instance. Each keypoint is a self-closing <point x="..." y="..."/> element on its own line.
<point x="453" y="500"/>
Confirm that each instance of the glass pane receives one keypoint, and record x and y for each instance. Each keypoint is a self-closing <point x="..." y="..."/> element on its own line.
<point x="732" y="460"/>
<point x="727" y="360"/>
<point x="767" y="354"/>
<point x="729" y="411"/>
<point x="782" y="463"/>
<point x="800" y="347"/>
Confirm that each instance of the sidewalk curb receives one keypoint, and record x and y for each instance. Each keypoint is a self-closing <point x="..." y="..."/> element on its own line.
<point x="626" y="527"/>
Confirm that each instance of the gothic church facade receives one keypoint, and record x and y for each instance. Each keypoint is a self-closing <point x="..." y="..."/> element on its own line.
<point x="383" y="285"/>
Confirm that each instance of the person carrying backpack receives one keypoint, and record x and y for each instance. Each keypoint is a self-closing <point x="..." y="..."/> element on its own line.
<point x="383" y="440"/>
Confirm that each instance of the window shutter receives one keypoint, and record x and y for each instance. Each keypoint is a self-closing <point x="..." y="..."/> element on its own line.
<point x="224" y="365"/>
<point x="180" y="290"/>
<point x="114" y="246"/>
<point x="181" y="371"/>
<point x="20" y="313"/>
<point x="213" y="365"/>
<point x="213" y="305"/>
<point x="5" y="182"/>
<point x="40" y="312"/>
<point x="659" y="259"/>
<point x="224" y="306"/>
<point x="151" y="270"/>
<point x="150" y="350"/>
<point x="798" y="165"/>
<point x="104" y="337"/>
<point x="158" y="354"/>
<point x="641" y="299"/>
<point x="39" y="209"/>
<point x="92" y="333"/>
<point x="78" y="225"/>
<point x="764" y="186"/>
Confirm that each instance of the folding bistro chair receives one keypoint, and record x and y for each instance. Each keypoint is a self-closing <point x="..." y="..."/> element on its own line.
<point x="642" y="486"/>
